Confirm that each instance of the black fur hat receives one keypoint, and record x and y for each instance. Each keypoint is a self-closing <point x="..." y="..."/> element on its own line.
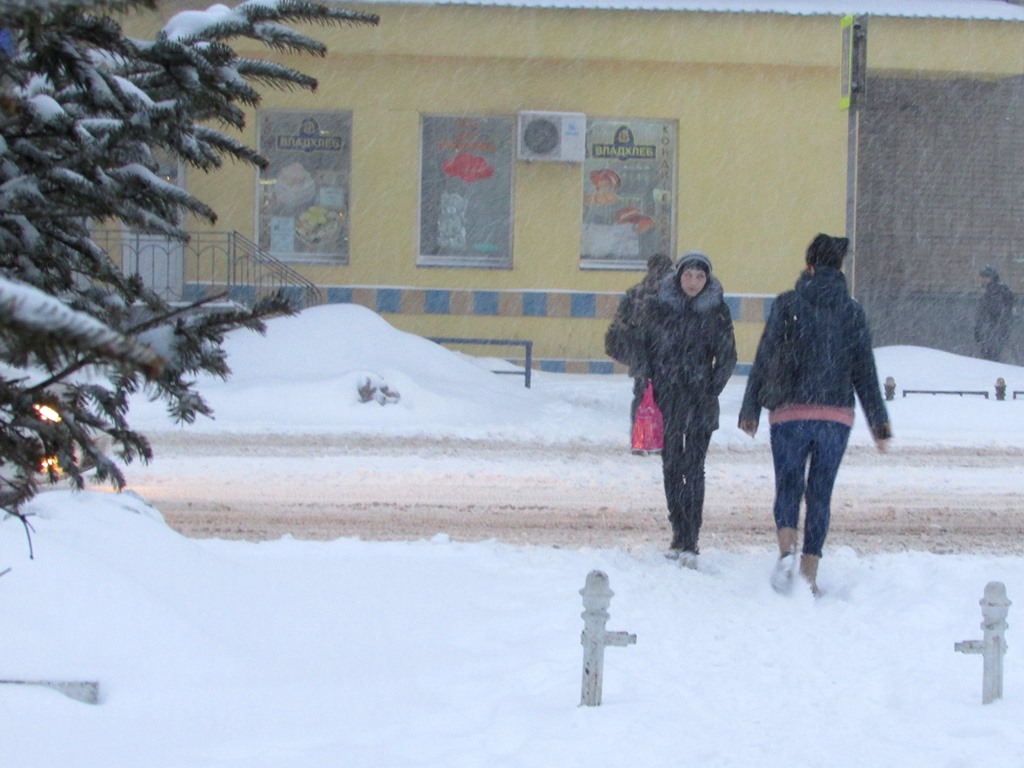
<point x="827" y="251"/>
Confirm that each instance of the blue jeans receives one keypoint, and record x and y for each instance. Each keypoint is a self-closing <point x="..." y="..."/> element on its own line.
<point x="794" y="444"/>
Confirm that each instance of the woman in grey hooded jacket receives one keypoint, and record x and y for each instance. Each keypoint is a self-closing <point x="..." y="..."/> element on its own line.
<point x="689" y="353"/>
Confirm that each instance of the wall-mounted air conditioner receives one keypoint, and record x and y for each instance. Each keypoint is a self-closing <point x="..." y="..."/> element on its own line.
<point x="558" y="137"/>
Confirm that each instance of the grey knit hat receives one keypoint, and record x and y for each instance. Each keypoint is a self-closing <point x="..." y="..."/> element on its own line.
<point x="695" y="259"/>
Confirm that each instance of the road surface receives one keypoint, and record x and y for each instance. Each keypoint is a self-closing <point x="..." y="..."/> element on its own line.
<point x="373" y="488"/>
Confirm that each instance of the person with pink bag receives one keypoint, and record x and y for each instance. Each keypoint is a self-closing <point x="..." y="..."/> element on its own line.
<point x="648" y="425"/>
<point x="622" y="343"/>
<point x="688" y="350"/>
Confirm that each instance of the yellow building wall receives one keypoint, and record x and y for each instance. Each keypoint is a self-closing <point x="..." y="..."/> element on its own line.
<point x="762" y="144"/>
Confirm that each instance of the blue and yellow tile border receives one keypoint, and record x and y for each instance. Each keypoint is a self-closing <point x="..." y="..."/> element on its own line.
<point x="560" y="304"/>
<point x="491" y="303"/>
<point x="520" y="303"/>
<point x="514" y="303"/>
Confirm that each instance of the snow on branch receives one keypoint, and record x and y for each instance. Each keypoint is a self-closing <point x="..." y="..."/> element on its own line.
<point x="28" y="309"/>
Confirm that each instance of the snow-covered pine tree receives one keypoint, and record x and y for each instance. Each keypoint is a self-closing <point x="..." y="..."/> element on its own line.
<point x="82" y="110"/>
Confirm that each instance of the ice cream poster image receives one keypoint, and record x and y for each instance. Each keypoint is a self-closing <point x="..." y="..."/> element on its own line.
<point x="451" y="224"/>
<point x="466" y="187"/>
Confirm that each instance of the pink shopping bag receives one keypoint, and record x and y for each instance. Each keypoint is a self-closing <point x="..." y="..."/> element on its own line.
<point x="648" y="427"/>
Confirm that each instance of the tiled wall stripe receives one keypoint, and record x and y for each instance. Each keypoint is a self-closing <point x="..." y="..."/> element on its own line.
<point x="485" y="302"/>
<point x="493" y="303"/>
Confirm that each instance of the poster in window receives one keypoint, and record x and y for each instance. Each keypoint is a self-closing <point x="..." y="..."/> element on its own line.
<point x="629" y="192"/>
<point x="303" y="198"/>
<point x="466" y="191"/>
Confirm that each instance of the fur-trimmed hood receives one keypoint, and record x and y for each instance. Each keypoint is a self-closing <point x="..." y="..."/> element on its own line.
<point x="689" y="353"/>
<point x="671" y="295"/>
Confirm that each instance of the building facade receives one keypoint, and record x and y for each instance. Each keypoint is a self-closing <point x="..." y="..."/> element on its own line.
<point x="503" y="170"/>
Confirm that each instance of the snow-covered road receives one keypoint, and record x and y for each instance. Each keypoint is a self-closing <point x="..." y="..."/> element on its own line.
<point x="323" y="486"/>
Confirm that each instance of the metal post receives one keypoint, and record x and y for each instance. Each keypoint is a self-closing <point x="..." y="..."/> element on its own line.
<point x="992" y="647"/>
<point x="597" y="596"/>
<point x="528" y="362"/>
<point x="858" y="87"/>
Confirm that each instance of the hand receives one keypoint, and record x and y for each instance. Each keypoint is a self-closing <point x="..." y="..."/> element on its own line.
<point x="882" y="434"/>
<point x="749" y="426"/>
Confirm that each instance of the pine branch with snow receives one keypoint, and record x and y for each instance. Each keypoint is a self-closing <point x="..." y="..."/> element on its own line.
<point x="83" y="111"/>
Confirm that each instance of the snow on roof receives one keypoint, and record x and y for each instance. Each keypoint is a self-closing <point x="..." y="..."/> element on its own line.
<point x="993" y="10"/>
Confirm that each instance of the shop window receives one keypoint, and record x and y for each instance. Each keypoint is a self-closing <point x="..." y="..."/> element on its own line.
<point x="303" y="197"/>
<point x="466" y="191"/>
<point x="629" y="193"/>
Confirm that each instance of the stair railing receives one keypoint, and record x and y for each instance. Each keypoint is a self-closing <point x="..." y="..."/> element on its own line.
<point x="209" y="263"/>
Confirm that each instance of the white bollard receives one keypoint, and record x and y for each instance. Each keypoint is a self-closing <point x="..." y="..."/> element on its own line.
<point x="992" y="647"/>
<point x="597" y="596"/>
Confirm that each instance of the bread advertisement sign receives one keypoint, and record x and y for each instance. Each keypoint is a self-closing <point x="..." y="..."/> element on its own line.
<point x="303" y="193"/>
<point x="629" y="181"/>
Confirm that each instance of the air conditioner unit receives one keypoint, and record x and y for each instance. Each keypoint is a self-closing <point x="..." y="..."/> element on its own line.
<point x="559" y="137"/>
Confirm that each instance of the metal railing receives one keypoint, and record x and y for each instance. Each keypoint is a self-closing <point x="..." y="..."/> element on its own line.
<point x="524" y="343"/>
<point x="209" y="263"/>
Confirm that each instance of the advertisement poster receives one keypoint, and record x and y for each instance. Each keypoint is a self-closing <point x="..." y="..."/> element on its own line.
<point x="303" y="193"/>
<point x="466" y="192"/>
<point x="629" y="193"/>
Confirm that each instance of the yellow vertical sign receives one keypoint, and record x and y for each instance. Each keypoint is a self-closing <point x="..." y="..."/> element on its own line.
<point x="846" y="70"/>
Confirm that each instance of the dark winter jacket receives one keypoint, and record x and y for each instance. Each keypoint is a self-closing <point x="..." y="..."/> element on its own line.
<point x="689" y="352"/>
<point x="832" y="350"/>
<point x="992" y="326"/>
<point x="622" y="340"/>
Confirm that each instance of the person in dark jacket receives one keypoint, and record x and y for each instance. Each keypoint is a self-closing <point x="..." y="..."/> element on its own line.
<point x="623" y="339"/>
<point x="832" y="356"/>
<point x="689" y="351"/>
<point x="992" y="327"/>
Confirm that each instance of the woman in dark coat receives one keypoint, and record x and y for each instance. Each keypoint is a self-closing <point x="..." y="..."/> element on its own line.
<point x="690" y="353"/>
<point x="831" y="360"/>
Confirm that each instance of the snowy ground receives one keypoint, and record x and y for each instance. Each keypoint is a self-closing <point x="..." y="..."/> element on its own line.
<point x="476" y="456"/>
<point x="443" y="626"/>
